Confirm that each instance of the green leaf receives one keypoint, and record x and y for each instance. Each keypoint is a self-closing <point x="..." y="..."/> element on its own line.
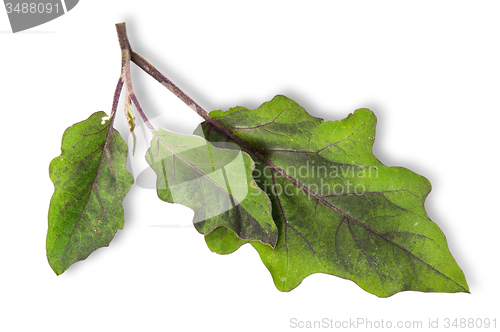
<point x="216" y="183"/>
<point x="338" y="209"/>
<point x="90" y="183"/>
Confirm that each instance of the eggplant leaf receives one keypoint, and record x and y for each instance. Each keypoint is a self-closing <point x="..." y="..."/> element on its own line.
<point x="338" y="210"/>
<point x="216" y="183"/>
<point x="90" y="183"/>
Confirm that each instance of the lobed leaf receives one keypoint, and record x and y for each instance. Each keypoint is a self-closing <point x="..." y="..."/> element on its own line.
<point x="337" y="208"/>
<point x="216" y="183"/>
<point x="90" y="181"/>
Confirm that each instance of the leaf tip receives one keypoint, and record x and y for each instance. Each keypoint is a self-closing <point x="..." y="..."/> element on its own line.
<point x="58" y="270"/>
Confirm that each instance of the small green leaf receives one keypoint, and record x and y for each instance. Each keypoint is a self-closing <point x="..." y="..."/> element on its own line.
<point x="215" y="182"/>
<point x="358" y="219"/>
<point x="90" y="183"/>
<point x="129" y="114"/>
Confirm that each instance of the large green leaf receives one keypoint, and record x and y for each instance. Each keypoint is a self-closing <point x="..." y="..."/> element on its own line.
<point x="90" y="183"/>
<point x="216" y="183"/>
<point x="354" y="218"/>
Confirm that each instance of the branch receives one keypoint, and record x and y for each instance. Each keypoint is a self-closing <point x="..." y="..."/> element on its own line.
<point x="128" y="53"/>
<point x="125" y="71"/>
<point x="116" y="98"/>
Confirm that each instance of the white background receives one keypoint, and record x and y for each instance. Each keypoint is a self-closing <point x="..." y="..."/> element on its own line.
<point x="430" y="71"/>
